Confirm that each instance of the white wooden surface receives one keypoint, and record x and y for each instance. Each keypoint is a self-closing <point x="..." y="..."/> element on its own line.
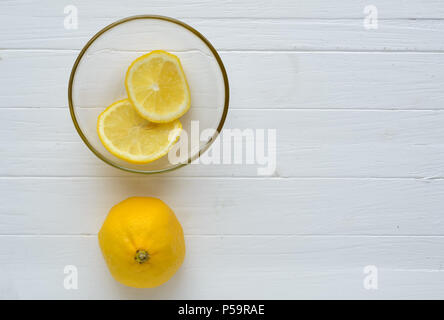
<point x="360" y="154"/>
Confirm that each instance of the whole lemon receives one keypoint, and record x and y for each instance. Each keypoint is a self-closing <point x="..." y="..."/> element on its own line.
<point x="142" y="242"/>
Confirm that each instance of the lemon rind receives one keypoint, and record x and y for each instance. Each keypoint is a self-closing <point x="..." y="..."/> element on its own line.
<point x="139" y="108"/>
<point x="124" y="155"/>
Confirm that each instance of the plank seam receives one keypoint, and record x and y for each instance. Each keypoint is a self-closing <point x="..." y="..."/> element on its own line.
<point x="273" y="51"/>
<point x="394" y="178"/>
<point x="49" y="235"/>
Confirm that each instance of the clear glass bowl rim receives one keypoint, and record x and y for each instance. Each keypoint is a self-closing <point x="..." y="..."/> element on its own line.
<point x="168" y="19"/>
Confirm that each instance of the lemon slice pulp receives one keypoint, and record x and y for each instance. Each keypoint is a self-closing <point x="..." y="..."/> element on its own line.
<point x="130" y="137"/>
<point x="157" y="87"/>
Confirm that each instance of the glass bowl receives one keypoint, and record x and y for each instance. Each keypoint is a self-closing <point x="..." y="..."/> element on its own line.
<point x="97" y="80"/>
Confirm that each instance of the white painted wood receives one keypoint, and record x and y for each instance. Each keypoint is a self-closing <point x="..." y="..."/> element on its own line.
<point x="310" y="143"/>
<point x="113" y="9"/>
<point x="247" y="34"/>
<point x="360" y="153"/>
<point x="234" y="268"/>
<point x="230" y="206"/>
<point x="285" y="80"/>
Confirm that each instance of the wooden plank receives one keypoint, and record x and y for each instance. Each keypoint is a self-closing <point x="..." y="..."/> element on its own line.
<point x="359" y="178"/>
<point x="230" y="206"/>
<point x="310" y="143"/>
<point x="234" y="268"/>
<point x="243" y="34"/>
<point x="285" y="80"/>
<point x="113" y="9"/>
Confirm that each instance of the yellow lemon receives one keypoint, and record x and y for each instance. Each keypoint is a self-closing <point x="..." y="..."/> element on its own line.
<point x="128" y="136"/>
<point x="157" y="87"/>
<point x="142" y="242"/>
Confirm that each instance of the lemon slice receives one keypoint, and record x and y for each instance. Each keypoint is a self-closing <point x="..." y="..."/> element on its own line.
<point x="130" y="137"/>
<point x="157" y="87"/>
